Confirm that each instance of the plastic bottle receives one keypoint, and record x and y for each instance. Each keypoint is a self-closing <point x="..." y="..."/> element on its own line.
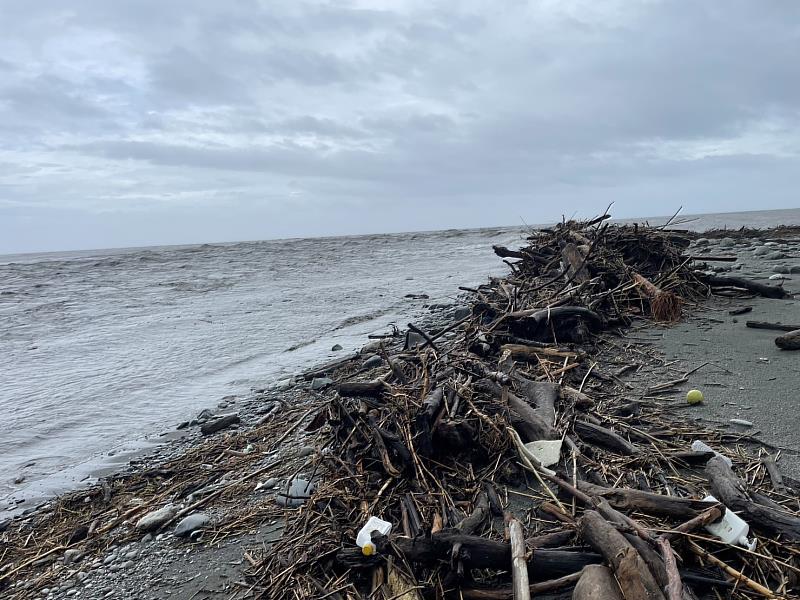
<point x="730" y="528"/>
<point x="364" y="537"/>
<point x="699" y="446"/>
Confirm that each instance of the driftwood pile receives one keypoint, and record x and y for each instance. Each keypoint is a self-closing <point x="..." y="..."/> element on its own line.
<point x="433" y="441"/>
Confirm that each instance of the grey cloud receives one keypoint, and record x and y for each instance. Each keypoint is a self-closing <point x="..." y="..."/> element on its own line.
<point x="308" y="109"/>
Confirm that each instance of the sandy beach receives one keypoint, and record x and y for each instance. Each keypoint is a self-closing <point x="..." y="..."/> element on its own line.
<point x="233" y="476"/>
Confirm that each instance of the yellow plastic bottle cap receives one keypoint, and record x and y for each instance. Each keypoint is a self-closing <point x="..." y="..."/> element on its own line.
<point x="694" y="397"/>
<point x="368" y="549"/>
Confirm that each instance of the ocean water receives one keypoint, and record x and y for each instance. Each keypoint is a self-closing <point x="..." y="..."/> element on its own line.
<point x="103" y="350"/>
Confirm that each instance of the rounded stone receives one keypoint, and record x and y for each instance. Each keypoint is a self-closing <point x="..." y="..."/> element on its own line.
<point x="192" y="523"/>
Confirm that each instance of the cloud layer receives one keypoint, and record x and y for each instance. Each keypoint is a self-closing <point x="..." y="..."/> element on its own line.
<point x="194" y="120"/>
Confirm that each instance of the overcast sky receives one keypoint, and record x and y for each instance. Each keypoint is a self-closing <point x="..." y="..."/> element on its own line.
<point x="150" y="122"/>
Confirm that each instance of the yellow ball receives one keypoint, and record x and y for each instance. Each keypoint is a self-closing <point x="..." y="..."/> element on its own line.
<point x="694" y="397"/>
<point x="368" y="549"/>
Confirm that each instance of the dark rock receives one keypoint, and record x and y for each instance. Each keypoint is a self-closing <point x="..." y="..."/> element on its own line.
<point x="372" y="362"/>
<point x="319" y="383"/>
<point x="204" y="416"/>
<point x="183" y="425"/>
<point x="781" y="269"/>
<point x="413" y="339"/>
<point x="78" y="535"/>
<point x="336" y="348"/>
<point x="794" y="269"/>
<point x="219" y="424"/>
<point x="462" y="312"/>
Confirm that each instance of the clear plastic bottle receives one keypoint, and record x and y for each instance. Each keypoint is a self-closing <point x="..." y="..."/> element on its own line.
<point x="364" y="537"/>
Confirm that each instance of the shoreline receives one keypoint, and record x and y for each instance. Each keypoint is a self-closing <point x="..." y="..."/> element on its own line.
<point x="278" y="415"/>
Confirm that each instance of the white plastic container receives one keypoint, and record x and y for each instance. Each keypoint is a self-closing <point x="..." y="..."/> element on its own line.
<point x="547" y="452"/>
<point x="731" y="528"/>
<point x="699" y="446"/>
<point x="364" y="537"/>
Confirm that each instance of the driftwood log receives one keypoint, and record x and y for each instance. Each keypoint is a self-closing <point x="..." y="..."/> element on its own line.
<point x="789" y="341"/>
<point x="519" y="566"/>
<point x="633" y="574"/>
<point x="475" y="553"/>
<point x="589" y="432"/>
<point x="771" y="326"/>
<point x="768" y="291"/>
<point x="645" y="502"/>
<point x="731" y="491"/>
<point x="597" y="582"/>
<point x="524" y="418"/>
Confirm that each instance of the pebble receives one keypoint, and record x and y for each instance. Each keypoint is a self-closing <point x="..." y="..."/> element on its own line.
<point x="774" y="256"/>
<point x="72" y="556"/>
<point x="336" y="347"/>
<point x="192" y="523"/>
<point x="779" y="276"/>
<point x="727" y="242"/>
<point x="701" y="242"/>
<point x="781" y="269"/>
<point x="794" y="269"/>
<point x="762" y="251"/>
<point x="284" y="384"/>
<point x="156" y="519"/>
<point x="319" y="383"/>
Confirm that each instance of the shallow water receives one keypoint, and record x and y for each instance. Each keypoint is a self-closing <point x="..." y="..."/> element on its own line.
<point x="102" y="348"/>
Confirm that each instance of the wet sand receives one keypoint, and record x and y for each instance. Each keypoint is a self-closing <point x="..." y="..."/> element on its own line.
<point x="743" y="375"/>
<point x="747" y="376"/>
